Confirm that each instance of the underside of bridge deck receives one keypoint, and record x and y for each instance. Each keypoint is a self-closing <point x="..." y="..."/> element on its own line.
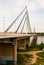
<point x="8" y="52"/>
<point x="22" y="43"/>
<point x="8" y="48"/>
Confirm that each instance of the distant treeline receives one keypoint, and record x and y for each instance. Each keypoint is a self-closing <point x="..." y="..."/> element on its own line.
<point x="39" y="34"/>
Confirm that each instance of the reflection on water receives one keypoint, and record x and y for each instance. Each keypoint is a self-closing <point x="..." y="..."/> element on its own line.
<point x="40" y="39"/>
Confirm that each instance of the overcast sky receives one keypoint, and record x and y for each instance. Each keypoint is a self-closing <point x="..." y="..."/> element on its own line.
<point x="10" y="9"/>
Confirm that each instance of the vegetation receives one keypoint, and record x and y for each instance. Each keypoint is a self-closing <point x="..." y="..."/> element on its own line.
<point x="28" y="55"/>
<point x="31" y="48"/>
<point x="41" y="46"/>
<point x="41" y="54"/>
<point x="35" y="47"/>
<point x="39" y="62"/>
<point x="39" y="34"/>
<point x="22" y="58"/>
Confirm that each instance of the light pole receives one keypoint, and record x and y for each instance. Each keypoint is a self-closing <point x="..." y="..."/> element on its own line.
<point x="4" y="23"/>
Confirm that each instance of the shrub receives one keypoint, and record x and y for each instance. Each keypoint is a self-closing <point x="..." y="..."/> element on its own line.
<point x="41" y="54"/>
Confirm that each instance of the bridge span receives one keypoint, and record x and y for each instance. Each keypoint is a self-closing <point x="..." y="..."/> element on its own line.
<point x="14" y="35"/>
<point x="10" y="41"/>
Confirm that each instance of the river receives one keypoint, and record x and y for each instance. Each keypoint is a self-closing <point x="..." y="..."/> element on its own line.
<point x="39" y="39"/>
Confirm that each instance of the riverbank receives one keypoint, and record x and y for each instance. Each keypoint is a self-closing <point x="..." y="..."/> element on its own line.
<point x="34" y="57"/>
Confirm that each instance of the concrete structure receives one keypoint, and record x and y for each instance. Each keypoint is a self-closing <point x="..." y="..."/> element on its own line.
<point x="23" y="42"/>
<point x="8" y="45"/>
<point x="8" y="51"/>
<point x="10" y="41"/>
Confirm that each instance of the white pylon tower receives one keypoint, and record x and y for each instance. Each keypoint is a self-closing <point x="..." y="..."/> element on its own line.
<point x="27" y="27"/>
<point x="28" y="22"/>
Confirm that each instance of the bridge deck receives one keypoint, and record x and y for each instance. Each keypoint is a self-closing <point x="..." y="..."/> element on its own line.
<point x="13" y="35"/>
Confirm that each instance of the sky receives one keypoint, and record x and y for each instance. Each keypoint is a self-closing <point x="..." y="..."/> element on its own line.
<point x="10" y="9"/>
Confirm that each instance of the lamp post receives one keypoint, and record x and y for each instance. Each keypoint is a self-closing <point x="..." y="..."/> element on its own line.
<point x="4" y="23"/>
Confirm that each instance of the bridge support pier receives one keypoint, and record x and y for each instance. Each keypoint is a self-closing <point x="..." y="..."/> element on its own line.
<point x="22" y="44"/>
<point x="28" y="41"/>
<point x="15" y="51"/>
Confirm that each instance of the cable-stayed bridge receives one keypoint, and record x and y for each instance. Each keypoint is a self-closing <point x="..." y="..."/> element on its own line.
<point x="26" y="27"/>
<point x="10" y="41"/>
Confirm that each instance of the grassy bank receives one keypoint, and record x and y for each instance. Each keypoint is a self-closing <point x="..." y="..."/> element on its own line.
<point x="41" y="54"/>
<point x="40" y="61"/>
<point x="22" y="58"/>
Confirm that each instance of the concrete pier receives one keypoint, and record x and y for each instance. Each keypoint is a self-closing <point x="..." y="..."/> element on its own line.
<point x="28" y="41"/>
<point x="15" y="51"/>
<point x="23" y="42"/>
<point x="8" y="53"/>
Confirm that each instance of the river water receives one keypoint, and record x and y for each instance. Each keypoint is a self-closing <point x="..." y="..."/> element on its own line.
<point x="39" y="39"/>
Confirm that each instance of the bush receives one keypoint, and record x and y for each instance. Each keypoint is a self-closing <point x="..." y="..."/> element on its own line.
<point x="39" y="62"/>
<point x="41" y="46"/>
<point x="41" y="54"/>
<point x="28" y="55"/>
<point x="20" y="59"/>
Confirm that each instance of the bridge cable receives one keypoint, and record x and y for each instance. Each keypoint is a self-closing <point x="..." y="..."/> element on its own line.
<point x="21" y="22"/>
<point x="23" y="25"/>
<point x="15" y="20"/>
<point x="28" y="20"/>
